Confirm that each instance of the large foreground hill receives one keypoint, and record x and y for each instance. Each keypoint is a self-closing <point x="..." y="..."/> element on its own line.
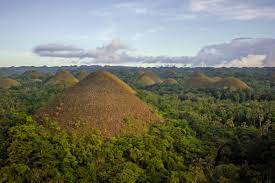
<point x="100" y="101"/>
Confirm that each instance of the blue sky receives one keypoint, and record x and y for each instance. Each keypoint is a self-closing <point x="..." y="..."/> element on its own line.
<point x="171" y="28"/>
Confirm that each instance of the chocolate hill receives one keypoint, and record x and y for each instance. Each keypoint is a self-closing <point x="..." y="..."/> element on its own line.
<point x="170" y="81"/>
<point x="199" y="80"/>
<point x="232" y="82"/>
<point x="80" y="75"/>
<point x="170" y="73"/>
<point x="148" y="79"/>
<point x="31" y="74"/>
<point x="272" y="76"/>
<point x="62" y="78"/>
<point x="100" y="101"/>
<point x="8" y="83"/>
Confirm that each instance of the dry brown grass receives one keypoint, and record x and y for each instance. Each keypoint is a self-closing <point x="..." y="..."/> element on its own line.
<point x="33" y="74"/>
<point x="100" y="101"/>
<point x="148" y="79"/>
<point x="198" y="80"/>
<point x="63" y="78"/>
<point x="232" y="82"/>
<point x="8" y="83"/>
<point x="170" y="81"/>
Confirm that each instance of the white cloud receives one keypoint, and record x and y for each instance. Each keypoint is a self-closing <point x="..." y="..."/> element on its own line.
<point x="234" y="52"/>
<point x="249" y="61"/>
<point x="233" y="9"/>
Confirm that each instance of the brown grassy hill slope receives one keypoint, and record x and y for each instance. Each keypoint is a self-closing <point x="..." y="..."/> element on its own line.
<point x="170" y="81"/>
<point x="216" y="79"/>
<point x="63" y="78"/>
<point x="101" y="101"/>
<point x="171" y="73"/>
<point x="8" y="83"/>
<point x="272" y="76"/>
<point x="33" y="74"/>
<point x="232" y="82"/>
<point x="148" y="79"/>
<point x="199" y="80"/>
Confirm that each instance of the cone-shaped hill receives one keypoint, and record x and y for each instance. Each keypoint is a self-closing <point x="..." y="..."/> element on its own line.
<point x="199" y="80"/>
<point x="31" y="74"/>
<point x="170" y="73"/>
<point x="148" y="79"/>
<point x="100" y="101"/>
<point x="232" y="82"/>
<point x="272" y="79"/>
<point x="8" y="83"/>
<point x="80" y="75"/>
<point x="170" y="81"/>
<point x="62" y="78"/>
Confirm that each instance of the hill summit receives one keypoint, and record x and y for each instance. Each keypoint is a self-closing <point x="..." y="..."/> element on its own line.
<point x="63" y="77"/>
<point x="232" y="82"/>
<point x="200" y="80"/>
<point x="101" y="101"/>
<point x="148" y="79"/>
<point x="7" y="83"/>
<point x="32" y="74"/>
<point x="170" y="81"/>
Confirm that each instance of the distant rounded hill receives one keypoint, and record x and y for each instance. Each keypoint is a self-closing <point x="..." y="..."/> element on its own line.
<point x="232" y="82"/>
<point x="272" y="79"/>
<point x="32" y="74"/>
<point x="148" y="79"/>
<point x="80" y="75"/>
<point x="200" y="80"/>
<point x="170" y="73"/>
<point x="8" y="83"/>
<point x="62" y="78"/>
<point x="100" y="101"/>
<point x="170" y="81"/>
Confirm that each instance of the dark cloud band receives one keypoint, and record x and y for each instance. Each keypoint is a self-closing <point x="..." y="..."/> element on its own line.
<point x="238" y="52"/>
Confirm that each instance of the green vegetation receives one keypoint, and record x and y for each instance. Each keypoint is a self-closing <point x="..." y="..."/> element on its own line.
<point x="80" y="75"/>
<point x="208" y="134"/>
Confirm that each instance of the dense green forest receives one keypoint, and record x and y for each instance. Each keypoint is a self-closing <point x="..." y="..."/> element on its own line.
<point x="208" y="134"/>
